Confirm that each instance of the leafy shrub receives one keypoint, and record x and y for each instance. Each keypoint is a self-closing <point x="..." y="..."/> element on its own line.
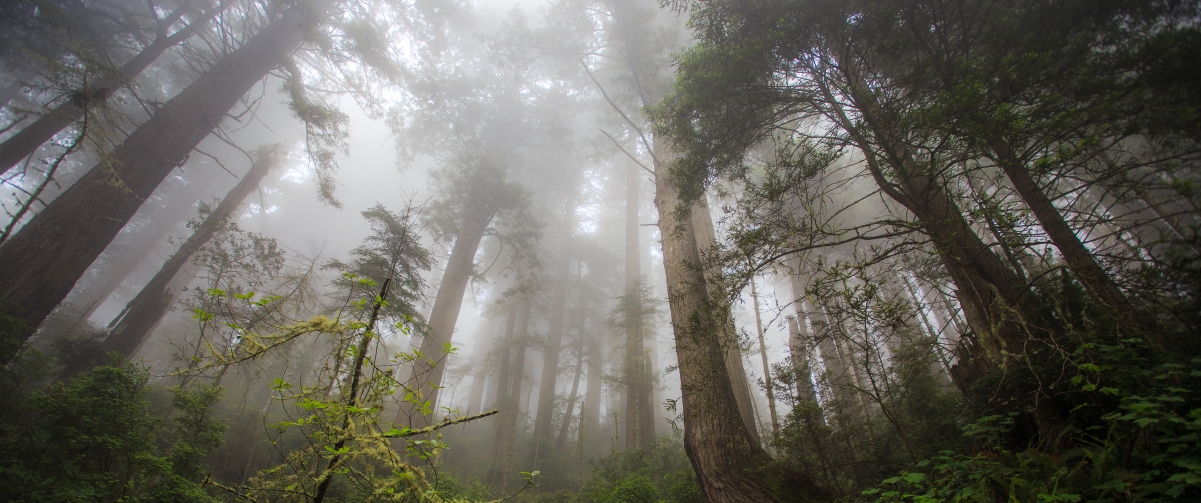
<point x="93" y="438"/>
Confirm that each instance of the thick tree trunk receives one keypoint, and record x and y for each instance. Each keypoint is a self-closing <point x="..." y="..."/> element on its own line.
<point x="554" y="336"/>
<point x="428" y="370"/>
<point x="1081" y="262"/>
<point x="724" y="454"/>
<point x="42" y="262"/>
<point x="129" y="255"/>
<point x="134" y="325"/>
<point x="706" y="239"/>
<point x="26" y="142"/>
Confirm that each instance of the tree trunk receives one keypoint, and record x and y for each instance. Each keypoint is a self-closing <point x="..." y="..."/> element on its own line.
<point x="517" y="382"/>
<point x="554" y="335"/>
<point x="428" y="370"/>
<point x="590" y="419"/>
<point x="838" y="376"/>
<point x="479" y="379"/>
<point x="798" y="349"/>
<point x="134" y="325"/>
<point x="26" y="142"/>
<point x="706" y="239"/>
<point x="1081" y="262"/>
<point x="640" y="418"/>
<point x="561" y="441"/>
<point x="771" y="394"/>
<point x="506" y="402"/>
<point x="502" y="370"/>
<point x="42" y="262"/>
<point x="717" y="440"/>
<point x="117" y="264"/>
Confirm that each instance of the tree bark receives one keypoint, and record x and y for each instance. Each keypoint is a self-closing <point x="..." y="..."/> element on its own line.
<point x="121" y="262"/>
<point x="479" y="379"/>
<point x="42" y="262"/>
<point x="798" y="349"/>
<point x="706" y="239"/>
<point x="554" y="335"/>
<point x="28" y="139"/>
<point x="561" y="441"/>
<point x="502" y="400"/>
<point x="1081" y="262"/>
<point x="724" y="454"/>
<point x="771" y="394"/>
<point x="134" y="325"/>
<point x="428" y="370"/>
<point x="640" y="418"/>
<point x="590" y="410"/>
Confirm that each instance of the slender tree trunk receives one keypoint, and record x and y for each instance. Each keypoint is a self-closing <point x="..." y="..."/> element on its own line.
<point x="26" y="142"/>
<point x="943" y="364"/>
<point x="717" y="440"/>
<point x="798" y="348"/>
<point x="640" y="419"/>
<point x="771" y="394"/>
<point x="502" y="370"/>
<point x="590" y="419"/>
<point x="134" y="325"/>
<point x="479" y="379"/>
<point x="518" y="381"/>
<point x="561" y="441"/>
<point x="837" y="374"/>
<point x="554" y="337"/>
<point x="428" y="370"/>
<point x="502" y="399"/>
<point x="41" y="263"/>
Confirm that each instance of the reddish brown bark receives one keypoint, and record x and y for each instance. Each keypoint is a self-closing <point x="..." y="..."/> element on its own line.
<point x="27" y="141"/>
<point x="723" y="453"/>
<point x="137" y="321"/>
<point x="41" y="263"/>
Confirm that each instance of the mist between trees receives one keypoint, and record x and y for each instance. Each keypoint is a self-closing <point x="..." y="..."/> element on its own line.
<point x="614" y="251"/>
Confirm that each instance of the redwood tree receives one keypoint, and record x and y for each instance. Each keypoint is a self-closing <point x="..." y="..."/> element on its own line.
<point x="41" y="263"/>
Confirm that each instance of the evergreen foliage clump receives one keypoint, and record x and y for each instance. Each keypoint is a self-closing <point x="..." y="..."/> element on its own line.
<point x="659" y="472"/>
<point x="96" y="438"/>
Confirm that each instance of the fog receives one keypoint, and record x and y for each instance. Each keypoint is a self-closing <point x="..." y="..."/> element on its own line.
<point x="377" y="250"/>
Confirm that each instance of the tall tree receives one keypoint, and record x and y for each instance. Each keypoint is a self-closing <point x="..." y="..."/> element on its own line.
<point x="473" y="195"/>
<point x="26" y="141"/>
<point x="640" y="412"/>
<point x="134" y="324"/>
<point x="41" y="263"/>
<point x="724" y="453"/>
<point x="543" y="428"/>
